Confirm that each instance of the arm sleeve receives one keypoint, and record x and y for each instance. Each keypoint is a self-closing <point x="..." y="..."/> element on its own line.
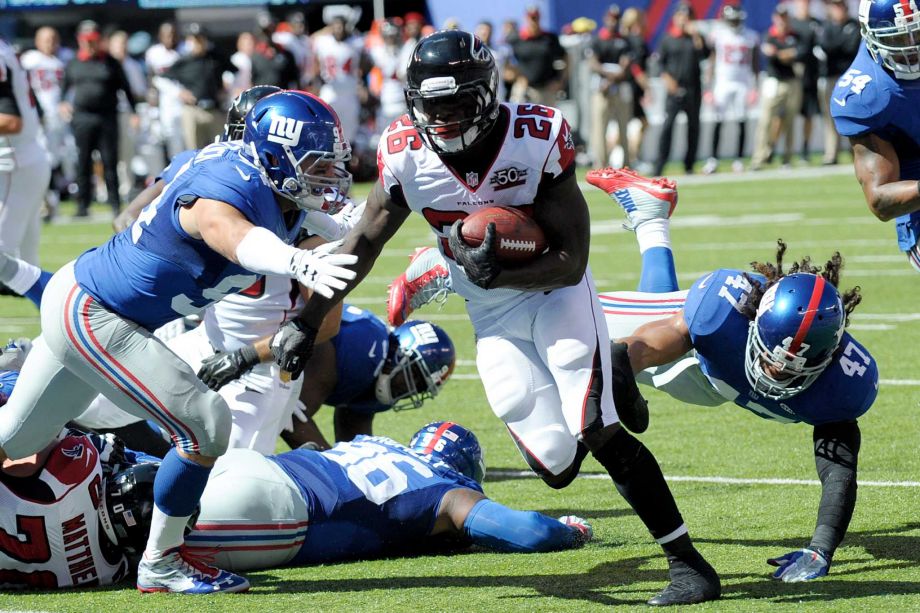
<point x="836" y="450"/>
<point x="493" y="525"/>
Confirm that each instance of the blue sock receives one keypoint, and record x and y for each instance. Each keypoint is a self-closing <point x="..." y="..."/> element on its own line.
<point x="179" y="485"/>
<point x="658" y="272"/>
<point x="35" y="292"/>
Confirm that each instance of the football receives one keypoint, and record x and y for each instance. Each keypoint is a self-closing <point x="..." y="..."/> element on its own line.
<point x="519" y="238"/>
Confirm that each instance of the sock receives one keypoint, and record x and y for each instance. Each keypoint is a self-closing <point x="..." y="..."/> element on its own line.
<point x="716" y="137"/>
<point x="658" y="272"/>
<point x="34" y="293"/>
<point x="176" y="492"/>
<point x="741" y="135"/>
<point x="638" y="478"/>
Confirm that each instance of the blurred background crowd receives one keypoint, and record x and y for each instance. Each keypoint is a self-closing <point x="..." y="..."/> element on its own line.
<point x="709" y="86"/>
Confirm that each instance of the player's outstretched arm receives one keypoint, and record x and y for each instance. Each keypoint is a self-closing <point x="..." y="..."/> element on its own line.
<point x="381" y="219"/>
<point x="879" y="173"/>
<point x="493" y="525"/>
<point x="658" y="342"/>
<point x="836" y="454"/>
<point x="562" y="212"/>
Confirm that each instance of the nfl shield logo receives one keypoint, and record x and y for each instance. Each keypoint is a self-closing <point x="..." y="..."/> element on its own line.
<point x="472" y="179"/>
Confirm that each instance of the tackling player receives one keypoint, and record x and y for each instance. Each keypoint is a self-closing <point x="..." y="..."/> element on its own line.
<point x="875" y="104"/>
<point x="226" y="218"/>
<point x="542" y="348"/>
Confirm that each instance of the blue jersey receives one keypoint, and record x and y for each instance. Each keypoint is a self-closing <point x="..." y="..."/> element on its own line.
<point x="869" y="100"/>
<point x="367" y="497"/>
<point x="154" y="272"/>
<point x="175" y="165"/>
<point x="361" y="348"/>
<point x="845" y="390"/>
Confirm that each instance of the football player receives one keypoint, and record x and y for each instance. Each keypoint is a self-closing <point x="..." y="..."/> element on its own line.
<point x="772" y="342"/>
<point x="228" y="216"/>
<point x="712" y="344"/>
<point x="874" y="104"/>
<point x="542" y="347"/>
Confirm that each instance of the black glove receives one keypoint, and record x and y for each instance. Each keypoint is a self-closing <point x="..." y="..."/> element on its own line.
<point x="479" y="263"/>
<point x="222" y="368"/>
<point x="292" y="346"/>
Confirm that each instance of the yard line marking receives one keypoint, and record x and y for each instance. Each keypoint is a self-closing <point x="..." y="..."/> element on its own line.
<point x="524" y="474"/>
<point x="901" y="382"/>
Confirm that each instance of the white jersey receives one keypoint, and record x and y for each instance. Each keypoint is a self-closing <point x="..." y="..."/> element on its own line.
<point x="24" y="148"/>
<point x="46" y="75"/>
<point x="50" y="531"/>
<point x="159" y="59"/>
<point x="734" y="49"/>
<point x="392" y="100"/>
<point x="538" y="142"/>
<point x="338" y="61"/>
<point x="254" y="313"/>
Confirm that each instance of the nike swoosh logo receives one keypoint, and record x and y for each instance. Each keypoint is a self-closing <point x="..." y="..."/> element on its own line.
<point x="244" y="175"/>
<point x="705" y="281"/>
<point x="839" y="101"/>
<point x="373" y="350"/>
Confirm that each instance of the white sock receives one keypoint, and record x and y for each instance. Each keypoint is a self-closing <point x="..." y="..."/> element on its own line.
<point x="653" y="233"/>
<point x="166" y="532"/>
<point x="18" y="275"/>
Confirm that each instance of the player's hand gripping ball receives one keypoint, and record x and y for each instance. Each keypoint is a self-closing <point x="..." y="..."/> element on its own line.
<point x="519" y="238"/>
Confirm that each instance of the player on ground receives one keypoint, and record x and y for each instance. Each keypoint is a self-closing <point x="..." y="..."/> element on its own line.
<point x="301" y="507"/>
<point x="874" y="104"/>
<point x="228" y="217"/>
<point x="25" y="167"/>
<point x="773" y="343"/>
<point x="542" y="347"/>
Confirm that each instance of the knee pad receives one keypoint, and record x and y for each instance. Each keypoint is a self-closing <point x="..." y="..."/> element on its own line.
<point x="212" y="426"/>
<point x="571" y="354"/>
<point x="549" y="452"/>
<point x="562" y="481"/>
<point x="510" y="395"/>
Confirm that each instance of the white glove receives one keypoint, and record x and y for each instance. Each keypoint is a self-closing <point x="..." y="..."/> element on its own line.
<point x="334" y="227"/>
<point x="581" y="525"/>
<point x="350" y="215"/>
<point x="321" y="269"/>
<point x="300" y="412"/>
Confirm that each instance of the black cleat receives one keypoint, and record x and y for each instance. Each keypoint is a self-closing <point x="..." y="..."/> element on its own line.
<point x="632" y="408"/>
<point x="693" y="580"/>
<point x="6" y="291"/>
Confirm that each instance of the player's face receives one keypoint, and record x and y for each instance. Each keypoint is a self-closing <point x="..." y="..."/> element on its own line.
<point x="773" y="370"/>
<point x="444" y="114"/>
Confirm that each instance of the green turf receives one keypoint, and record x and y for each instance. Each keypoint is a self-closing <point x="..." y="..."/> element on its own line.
<point x="737" y="526"/>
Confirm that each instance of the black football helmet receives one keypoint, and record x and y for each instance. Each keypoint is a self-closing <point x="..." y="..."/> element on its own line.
<point x="451" y="90"/>
<point x="236" y="116"/>
<point x="128" y="507"/>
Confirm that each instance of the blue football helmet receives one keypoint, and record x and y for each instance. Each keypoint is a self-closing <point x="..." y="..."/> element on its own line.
<point x="793" y="337"/>
<point x="421" y="358"/>
<point x="297" y="141"/>
<point x="8" y="380"/>
<point x="891" y="29"/>
<point x="452" y="444"/>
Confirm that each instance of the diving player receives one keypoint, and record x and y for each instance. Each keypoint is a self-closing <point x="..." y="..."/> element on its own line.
<point x="875" y="104"/>
<point x="542" y="348"/>
<point x="711" y="344"/>
<point x="226" y="218"/>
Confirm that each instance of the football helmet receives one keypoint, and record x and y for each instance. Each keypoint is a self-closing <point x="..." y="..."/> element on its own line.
<point x="420" y="360"/>
<point x="128" y="507"/>
<point x="8" y="380"/>
<point x="793" y="337"/>
<point x="297" y="142"/>
<point x="242" y="104"/>
<point x="452" y="444"/>
<point x="891" y="29"/>
<point x="733" y="15"/>
<point x="451" y="90"/>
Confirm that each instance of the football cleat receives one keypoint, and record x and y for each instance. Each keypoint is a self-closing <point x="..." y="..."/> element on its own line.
<point x="693" y="580"/>
<point x="179" y="571"/>
<point x="642" y="198"/>
<point x="426" y="279"/>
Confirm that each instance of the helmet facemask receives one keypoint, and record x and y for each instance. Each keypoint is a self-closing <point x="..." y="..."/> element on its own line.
<point x="409" y="373"/>
<point x="318" y="176"/>
<point x="895" y="44"/>
<point x="450" y="118"/>
<point x="798" y="374"/>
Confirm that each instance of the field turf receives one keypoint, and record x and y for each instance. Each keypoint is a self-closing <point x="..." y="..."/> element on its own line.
<point x="738" y="522"/>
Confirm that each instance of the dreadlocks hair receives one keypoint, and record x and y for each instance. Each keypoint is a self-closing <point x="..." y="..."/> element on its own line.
<point x="774" y="272"/>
